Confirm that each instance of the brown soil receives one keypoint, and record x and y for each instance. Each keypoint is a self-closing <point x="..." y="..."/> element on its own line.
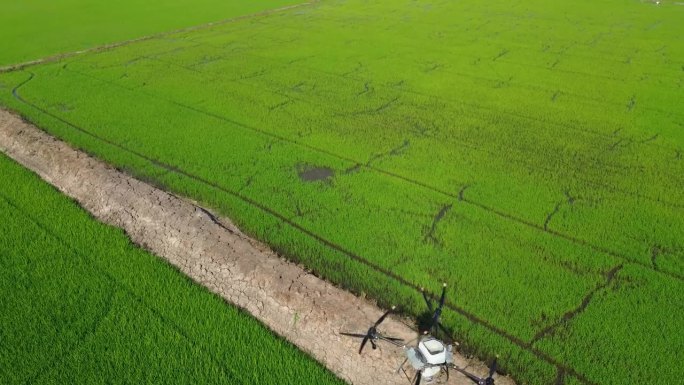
<point x="302" y="308"/>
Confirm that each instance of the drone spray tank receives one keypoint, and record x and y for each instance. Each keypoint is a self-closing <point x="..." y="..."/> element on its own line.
<point x="429" y="357"/>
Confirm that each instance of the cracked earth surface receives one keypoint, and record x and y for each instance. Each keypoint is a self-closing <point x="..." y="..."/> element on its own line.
<point x="300" y="307"/>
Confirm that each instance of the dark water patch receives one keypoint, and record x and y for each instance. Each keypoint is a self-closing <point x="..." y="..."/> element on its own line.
<point x="313" y="173"/>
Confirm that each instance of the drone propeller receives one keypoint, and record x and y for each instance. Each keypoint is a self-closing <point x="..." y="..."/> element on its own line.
<point x="372" y="334"/>
<point x="482" y="381"/>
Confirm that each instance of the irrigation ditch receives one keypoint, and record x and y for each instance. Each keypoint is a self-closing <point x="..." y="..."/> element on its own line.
<point x="300" y="307"/>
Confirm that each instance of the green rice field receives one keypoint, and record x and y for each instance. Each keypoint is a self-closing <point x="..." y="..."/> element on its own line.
<point x="528" y="153"/>
<point x="79" y="304"/>
<point x="32" y="29"/>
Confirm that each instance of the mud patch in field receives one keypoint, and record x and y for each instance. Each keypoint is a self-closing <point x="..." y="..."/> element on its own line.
<point x="313" y="173"/>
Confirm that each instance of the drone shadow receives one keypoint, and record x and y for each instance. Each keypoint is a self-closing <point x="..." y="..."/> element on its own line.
<point x="423" y="322"/>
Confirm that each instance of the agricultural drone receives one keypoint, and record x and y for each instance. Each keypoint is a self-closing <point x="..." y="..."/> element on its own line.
<point x="430" y="357"/>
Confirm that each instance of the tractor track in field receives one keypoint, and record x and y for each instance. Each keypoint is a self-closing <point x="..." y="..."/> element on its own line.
<point x="513" y="114"/>
<point x="608" y="187"/>
<point x="473" y="318"/>
<point x="451" y="195"/>
<point x="292" y="302"/>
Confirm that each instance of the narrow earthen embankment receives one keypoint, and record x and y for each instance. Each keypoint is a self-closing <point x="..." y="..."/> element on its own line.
<point x="302" y="308"/>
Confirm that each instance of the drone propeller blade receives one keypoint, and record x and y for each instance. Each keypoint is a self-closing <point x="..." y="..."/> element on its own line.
<point x="353" y="335"/>
<point x="379" y="321"/>
<point x="363" y="343"/>
<point x="418" y="377"/>
<point x="492" y="369"/>
<point x="394" y="341"/>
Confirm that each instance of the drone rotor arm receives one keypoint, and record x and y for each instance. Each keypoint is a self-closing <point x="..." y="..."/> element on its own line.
<point x="393" y="338"/>
<point x="443" y="297"/>
<point x="435" y="319"/>
<point x="413" y="340"/>
<point x="492" y="368"/>
<point x="438" y="310"/>
<point x="472" y="377"/>
<point x="394" y="341"/>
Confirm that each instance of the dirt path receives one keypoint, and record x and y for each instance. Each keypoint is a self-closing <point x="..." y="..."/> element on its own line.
<point x="302" y="308"/>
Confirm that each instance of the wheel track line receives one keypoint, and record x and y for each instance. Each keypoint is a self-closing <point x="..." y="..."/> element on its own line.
<point x="242" y="271"/>
<point x="455" y="101"/>
<point x="452" y="196"/>
<point x="442" y="99"/>
<point x="586" y="52"/>
<point x="446" y="100"/>
<point x="473" y="318"/>
<point x="106" y="47"/>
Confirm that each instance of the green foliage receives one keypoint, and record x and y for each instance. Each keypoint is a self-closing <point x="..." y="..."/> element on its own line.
<point x="32" y="29"/>
<point x="520" y="152"/>
<point x="80" y="304"/>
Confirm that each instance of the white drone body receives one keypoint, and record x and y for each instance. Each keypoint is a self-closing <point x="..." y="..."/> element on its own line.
<point x="429" y="356"/>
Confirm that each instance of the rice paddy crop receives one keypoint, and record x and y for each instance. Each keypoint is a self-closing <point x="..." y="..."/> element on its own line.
<point x="528" y="153"/>
<point x="32" y="29"/>
<point x="79" y="304"/>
